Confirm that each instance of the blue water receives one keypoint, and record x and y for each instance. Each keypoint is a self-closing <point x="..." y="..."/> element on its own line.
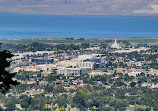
<point x="59" y="26"/>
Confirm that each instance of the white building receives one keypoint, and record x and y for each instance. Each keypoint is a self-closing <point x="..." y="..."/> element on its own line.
<point x="115" y="45"/>
<point x="81" y="58"/>
<point x="86" y="65"/>
<point x="69" y="71"/>
<point x="72" y="71"/>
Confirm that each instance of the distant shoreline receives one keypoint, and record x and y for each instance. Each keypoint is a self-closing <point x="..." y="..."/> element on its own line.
<point x="78" y="38"/>
<point x="80" y="14"/>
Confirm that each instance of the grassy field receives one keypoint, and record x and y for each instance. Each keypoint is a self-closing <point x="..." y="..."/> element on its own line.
<point x="133" y="41"/>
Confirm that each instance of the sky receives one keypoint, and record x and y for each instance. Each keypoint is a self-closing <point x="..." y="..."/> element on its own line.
<point x="81" y="7"/>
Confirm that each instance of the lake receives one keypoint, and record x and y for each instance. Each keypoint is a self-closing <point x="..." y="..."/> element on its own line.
<point x="77" y="26"/>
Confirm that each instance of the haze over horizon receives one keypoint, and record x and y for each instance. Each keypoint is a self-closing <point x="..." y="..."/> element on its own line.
<point x="81" y="7"/>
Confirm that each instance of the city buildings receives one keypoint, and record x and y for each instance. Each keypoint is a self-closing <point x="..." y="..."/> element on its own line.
<point x="42" y="60"/>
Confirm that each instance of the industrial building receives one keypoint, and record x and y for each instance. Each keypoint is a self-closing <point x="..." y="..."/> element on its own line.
<point x="42" y="60"/>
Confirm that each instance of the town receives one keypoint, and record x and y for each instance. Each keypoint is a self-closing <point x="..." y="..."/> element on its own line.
<point x="86" y="77"/>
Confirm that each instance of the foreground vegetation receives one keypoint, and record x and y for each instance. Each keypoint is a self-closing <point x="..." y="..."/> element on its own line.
<point x="92" y="96"/>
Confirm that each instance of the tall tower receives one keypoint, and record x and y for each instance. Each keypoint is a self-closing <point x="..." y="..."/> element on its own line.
<point x="115" y="41"/>
<point x="115" y="45"/>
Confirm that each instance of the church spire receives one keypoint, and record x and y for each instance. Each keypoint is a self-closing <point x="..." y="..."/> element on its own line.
<point x="115" y="45"/>
<point x="115" y="41"/>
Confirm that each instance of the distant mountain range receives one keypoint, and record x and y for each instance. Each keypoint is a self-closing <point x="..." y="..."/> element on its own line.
<point x="81" y="7"/>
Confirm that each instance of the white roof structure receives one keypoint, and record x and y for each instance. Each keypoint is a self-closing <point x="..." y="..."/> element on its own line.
<point x="82" y="58"/>
<point x="131" y="50"/>
<point x="115" y="45"/>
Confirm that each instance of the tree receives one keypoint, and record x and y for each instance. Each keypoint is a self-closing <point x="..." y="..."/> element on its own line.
<point x="5" y="76"/>
<point x="25" y="101"/>
<point x="118" y="83"/>
<point x="138" y="109"/>
<point x="59" y="88"/>
<point x="132" y="84"/>
<point x="118" y="104"/>
<point x="10" y="103"/>
<point x="1" y="109"/>
<point x="147" y="109"/>
<point x="85" y="45"/>
<point x="79" y="100"/>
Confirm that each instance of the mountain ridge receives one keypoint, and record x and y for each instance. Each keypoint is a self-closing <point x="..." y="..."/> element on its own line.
<point x="81" y="7"/>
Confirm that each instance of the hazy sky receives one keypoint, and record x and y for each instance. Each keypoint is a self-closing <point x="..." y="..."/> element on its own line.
<point x="84" y="7"/>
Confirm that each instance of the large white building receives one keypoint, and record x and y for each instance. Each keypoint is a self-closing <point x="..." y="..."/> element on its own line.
<point x="87" y="65"/>
<point x="115" y="45"/>
<point x="69" y="71"/>
<point x="80" y="65"/>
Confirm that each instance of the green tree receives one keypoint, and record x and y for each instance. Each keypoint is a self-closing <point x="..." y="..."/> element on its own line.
<point x="132" y="84"/>
<point x="118" y="104"/>
<point x="1" y="109"/>
<point x="147" y="109"/>
<point x="25" y="101"/>
<point x="5" y="76"/>
<point x="10" y="104"/>
<point x="79" y="100"/>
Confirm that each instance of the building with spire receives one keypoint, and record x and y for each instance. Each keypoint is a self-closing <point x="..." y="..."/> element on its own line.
<point x="115" y="45"/>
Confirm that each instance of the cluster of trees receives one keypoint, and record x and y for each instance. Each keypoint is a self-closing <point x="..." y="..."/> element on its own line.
<point x="36" y="46"/>
<point x="115" y="98"/>
<point x="90" y="97"/>
<point x="28" y="103"/>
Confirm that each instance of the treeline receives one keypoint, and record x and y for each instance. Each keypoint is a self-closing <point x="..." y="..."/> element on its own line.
<point x="36" y="46"/>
